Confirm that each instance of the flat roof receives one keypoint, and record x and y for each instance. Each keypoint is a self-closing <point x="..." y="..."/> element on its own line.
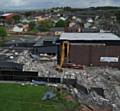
<point x="57" y="29"/>
<point x="46" y="38"/>
<point x="27" y="39"/>
<point x="88" y="36"/>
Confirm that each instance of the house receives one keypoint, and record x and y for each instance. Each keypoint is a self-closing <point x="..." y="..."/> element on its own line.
<point x="20" y="28"/>
<point x="90" y="20"/>
<point x="87" y="25"/>
<point x="25" y="27"/>
<point x="7" y="16"/>
<point x="17" y="29"/>
<point x="63" y="18"/>
<point x="90" y="49"/>
<point x="40" y="18"/>
<point x="24" y="20"/>
<point x="73" y="25"/>
<point x="91" y="29"/>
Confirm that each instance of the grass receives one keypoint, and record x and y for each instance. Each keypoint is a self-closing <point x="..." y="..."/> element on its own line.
<point x="15" y="97"/>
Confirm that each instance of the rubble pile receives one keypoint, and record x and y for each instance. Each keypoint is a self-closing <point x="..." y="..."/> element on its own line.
<point x="94" y="108"/>
<point x="103" y="79"/>
<point x="44" y="68"/>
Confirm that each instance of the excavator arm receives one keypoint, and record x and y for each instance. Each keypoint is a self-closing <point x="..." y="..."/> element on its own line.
<point x="64" y="53"/>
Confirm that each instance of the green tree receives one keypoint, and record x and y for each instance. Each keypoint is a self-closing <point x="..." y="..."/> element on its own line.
<point x="28" y="14"/>
<point x="32" y="25"/>
<point x="3" y="33"/>
<point x="46" y="25"/>
<point x="60" y="23"/>
<point x="16" y="19"/>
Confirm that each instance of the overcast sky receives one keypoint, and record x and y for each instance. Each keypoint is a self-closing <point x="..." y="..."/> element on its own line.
<point x="21" y="4"/>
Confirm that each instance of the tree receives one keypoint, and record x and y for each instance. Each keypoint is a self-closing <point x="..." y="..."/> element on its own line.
<point x="16" y="18"/>
<point x="67" y="8"/>
<point x="3" y="33"/>
<point x="32" y="25"/>
<point x="46" y="25"/>
<point x="60" y="23"/>
<point x="28" y="14"/>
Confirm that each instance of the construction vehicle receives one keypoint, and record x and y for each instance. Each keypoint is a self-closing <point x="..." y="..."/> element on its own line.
<point x="64" y="55"/>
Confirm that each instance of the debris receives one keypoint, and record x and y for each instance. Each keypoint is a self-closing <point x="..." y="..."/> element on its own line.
<point x="11" y="57"/>
<point x="99" y="91"/>
<point x="35" y="57"/>
<point x="23" y="84"/>
<point x="38" y="82"/>
<point x="48" y="95"/>
<point x="73" y="66"/>
<point x="16" y="53"/>
<point x="95" y="108"/>
<point x="101" y="84"/>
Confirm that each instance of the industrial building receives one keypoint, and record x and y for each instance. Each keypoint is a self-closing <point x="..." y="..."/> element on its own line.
<point x="25" y="42"/>
<point x="11" y="66"/>
<point x="7" y="16"/>
<point x="90" y="49"/>
<point x="46" y="45"/>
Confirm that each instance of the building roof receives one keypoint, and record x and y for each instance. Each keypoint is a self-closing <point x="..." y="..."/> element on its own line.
<point x="55" y="29"/>
<point x="25" y="41"/>
<point x="41" y="41"/>
<point x="17" y="29"/>
<point x="62" y="18"/>
<point x="89" y="36"/>
<point x="10" y="66"/>
<point x="7" y="14"/>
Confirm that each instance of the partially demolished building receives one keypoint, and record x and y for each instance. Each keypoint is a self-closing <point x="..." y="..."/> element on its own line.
<point x="91" y="49"/>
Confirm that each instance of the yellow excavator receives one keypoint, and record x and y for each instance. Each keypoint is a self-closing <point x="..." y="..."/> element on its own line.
<point x="64" y="55"/>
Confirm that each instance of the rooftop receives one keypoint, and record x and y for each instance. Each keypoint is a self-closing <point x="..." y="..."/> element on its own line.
<point x="57" y="29"/>
<point x="41" y="41"/>
<point x="7" y="14"/>
<point x="10" y="66"/>
<point x="89" y="36"/>
<point x="27" y="39"/>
